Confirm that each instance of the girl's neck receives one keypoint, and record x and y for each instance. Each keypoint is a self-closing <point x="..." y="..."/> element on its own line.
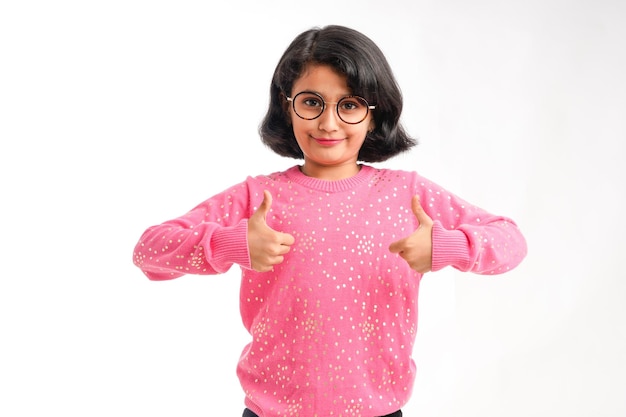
<point x="330" y="173"/>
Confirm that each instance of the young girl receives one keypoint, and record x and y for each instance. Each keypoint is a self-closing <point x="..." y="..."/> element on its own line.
<point x="331" y="251"/>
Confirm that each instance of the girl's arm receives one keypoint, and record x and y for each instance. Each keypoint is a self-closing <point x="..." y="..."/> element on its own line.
<point x="467" y="237"/>
<point x="209" y="239"/>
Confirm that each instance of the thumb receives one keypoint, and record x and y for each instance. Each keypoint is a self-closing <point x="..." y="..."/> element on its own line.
<point x="266" y="204"/>
<point x="419" y="212"/>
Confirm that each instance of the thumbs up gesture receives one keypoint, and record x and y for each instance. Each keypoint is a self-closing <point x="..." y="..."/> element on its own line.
<point x="266" y="245"/>
<point x="417" y="248"/>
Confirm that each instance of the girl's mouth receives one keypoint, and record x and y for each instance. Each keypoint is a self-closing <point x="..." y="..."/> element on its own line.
<point x="327" y="141"/>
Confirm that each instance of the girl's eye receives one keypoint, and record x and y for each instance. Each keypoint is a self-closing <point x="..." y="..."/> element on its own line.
<point x="350" y="104"/>
<point x="311" y="101"/>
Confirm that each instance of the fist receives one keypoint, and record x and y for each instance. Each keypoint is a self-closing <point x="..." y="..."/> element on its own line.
<point x="266" y="246"/>
<point x="417" y="248"/>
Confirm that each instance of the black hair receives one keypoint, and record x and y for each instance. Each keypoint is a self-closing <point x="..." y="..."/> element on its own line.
<point x="368" y="74"/>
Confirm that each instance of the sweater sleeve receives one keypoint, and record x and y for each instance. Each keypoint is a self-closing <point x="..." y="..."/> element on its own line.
<point x="207" y="240"/>
<point x="467" y="237"/>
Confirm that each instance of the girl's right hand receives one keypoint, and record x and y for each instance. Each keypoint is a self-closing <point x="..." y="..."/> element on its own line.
<point x="266" y="245"/>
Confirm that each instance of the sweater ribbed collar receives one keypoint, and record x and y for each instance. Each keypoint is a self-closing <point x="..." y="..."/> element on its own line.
<point x="364" y="175"/>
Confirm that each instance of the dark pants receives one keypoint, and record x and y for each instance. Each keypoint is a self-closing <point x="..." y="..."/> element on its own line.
<point x="248" y="413"/>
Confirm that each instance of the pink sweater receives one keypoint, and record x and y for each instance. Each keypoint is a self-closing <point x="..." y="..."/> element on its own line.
<point x="332" y="327"/>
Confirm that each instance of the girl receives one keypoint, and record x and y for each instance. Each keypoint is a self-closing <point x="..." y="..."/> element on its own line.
<point x="331" y="251"/>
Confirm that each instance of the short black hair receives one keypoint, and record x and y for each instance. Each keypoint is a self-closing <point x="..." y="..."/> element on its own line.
<point x="368" y="74"/>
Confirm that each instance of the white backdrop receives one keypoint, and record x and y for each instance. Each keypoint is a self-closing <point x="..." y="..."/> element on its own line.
<point x="117" y="115"/>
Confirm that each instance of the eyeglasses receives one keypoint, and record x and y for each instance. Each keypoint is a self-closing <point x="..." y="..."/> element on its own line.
<point x="350" y="109"/>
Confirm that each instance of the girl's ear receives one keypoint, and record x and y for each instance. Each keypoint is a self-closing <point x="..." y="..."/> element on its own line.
<point x="285" y="105"/>
<point x="372" y="126"/>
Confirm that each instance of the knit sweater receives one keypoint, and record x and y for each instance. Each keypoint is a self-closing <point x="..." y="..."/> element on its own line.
<point x="333" y="326"/>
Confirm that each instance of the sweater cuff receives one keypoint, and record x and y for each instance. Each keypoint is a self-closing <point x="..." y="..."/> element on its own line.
<point x="450" y="248"/>
<point x="229" y="245"/>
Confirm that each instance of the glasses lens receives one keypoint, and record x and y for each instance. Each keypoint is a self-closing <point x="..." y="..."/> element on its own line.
<point x="308" y="105"/>
<point x="352" y="109"/>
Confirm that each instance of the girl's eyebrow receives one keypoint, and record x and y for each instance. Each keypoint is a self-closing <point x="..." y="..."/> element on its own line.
<point x="322" y="95"/>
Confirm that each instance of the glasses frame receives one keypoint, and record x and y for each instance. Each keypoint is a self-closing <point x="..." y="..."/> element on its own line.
<point x="368" y="107"/>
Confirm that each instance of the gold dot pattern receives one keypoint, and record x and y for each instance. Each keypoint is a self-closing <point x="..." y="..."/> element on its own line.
<point x="333" y="326"/>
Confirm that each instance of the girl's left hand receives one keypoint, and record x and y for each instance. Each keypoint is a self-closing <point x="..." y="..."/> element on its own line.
<point x="417" y="248"/>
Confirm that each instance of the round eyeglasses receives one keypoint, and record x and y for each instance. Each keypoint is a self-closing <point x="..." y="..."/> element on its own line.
<point x="350" y="109"/>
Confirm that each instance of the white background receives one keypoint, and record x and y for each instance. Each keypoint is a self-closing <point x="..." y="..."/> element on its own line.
<point x="118" y="115"/>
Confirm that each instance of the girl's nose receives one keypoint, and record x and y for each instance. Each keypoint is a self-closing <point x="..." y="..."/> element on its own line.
<point x="329" y="120"/>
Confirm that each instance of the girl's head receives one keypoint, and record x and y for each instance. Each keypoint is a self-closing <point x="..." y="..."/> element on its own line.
<point x="367" y="73"/>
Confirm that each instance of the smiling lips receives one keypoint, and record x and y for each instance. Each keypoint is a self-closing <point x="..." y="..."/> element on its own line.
<point x="327" y="141"/>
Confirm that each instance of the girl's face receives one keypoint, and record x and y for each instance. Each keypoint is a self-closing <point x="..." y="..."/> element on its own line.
<point x="330" y="146"/>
